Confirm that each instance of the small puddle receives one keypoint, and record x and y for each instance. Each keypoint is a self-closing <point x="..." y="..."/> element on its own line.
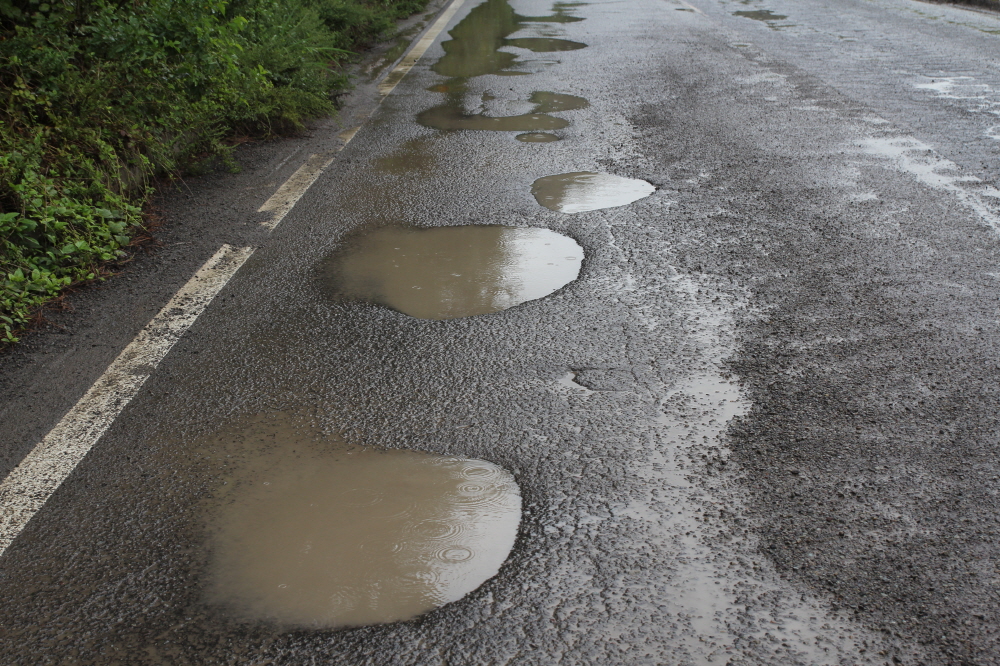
<point x="544" y="44"/>
<point x="451" y="117"/>
<point x="450" y="272"/>
<point x="559" y="14"/>
<point x="550" y="102"/>
<point x="537" y="137"/>
<point x="353" y="536"/>
<point x="415" y="156"/>
<point x="765" y="15"/>
<point x="586" y="190"/>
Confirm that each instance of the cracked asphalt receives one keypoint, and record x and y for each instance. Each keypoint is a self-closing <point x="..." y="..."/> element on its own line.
<point x="759" y="428"/>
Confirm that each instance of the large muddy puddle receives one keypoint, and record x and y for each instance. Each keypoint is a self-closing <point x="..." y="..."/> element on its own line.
<point x="537" y="137"/>
<point x="474" y="47"/>
<point x="452" y="117"/>
<point x="765" y="15"/>
<point x="544" y="44"/>
<point x="350" y="536"/>
<point x="587" y="190"/>
<point x="449" y="272"/>
<point x="474" y="50"/>
<point x="448" y="117"/>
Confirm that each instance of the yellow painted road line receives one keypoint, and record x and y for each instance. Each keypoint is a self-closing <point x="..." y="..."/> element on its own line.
<point x="282" y="201"/>
<point x="32" y="482"/>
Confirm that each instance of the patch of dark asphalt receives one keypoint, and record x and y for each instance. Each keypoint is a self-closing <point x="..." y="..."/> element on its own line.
<point x="869" y="353"/>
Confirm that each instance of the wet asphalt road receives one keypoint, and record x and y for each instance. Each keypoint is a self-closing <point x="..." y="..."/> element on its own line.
<point x="760" y="428"/>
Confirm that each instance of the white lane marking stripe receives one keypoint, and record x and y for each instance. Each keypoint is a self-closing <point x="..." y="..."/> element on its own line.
<point x="292" y="189"/>
<point x="31" y="483"/>
<point x="691" y="7"/>
<point x="282" y="201"/>
<point x="410" y="59"/>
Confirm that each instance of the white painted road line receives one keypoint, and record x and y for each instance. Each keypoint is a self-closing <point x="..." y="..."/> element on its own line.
<point x="31" y="483"/>
<point x="292" y="189"/>
<point x="410" y="59"/>
<point x="691" y="7"/>
<point x="282" y="201"/>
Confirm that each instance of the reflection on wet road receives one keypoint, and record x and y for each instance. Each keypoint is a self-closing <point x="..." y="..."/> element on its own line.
<point x="765" y="15"/>
<point x="537" y="137"/>
<point x="448" y="272"/>
<point x="348" y="536"/>
<point x="474" y="50"/>
<point x="585" y="190"/>
<point x="448" y="117"/>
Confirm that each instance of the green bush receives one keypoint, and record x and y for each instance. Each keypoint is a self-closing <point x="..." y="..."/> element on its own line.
<point x="98" y="97"/>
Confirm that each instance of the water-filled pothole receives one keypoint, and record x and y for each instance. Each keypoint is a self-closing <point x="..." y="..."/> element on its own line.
<point x="537" y="137"/>
<point x="449" y="272"/>
<point x="550" y="102"/>
<point x="544" y="44"/>
<point x="474" y="50"/>
<point x="474" y="47"/>
<point x="587" y="190"/>
<point x="765" y="15"/>
<point x="451" y="116"/>
<point x="359" y="537"/>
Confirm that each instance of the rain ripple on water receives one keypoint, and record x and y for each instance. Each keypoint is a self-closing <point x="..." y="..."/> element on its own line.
<point x="450" y="272"/>
<point x="362" y="537"/>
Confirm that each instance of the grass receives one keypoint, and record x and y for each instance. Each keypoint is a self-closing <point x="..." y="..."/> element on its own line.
<point x="99" y="98"/>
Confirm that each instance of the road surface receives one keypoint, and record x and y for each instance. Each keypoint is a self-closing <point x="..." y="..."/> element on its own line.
<point x="760" y="426"/>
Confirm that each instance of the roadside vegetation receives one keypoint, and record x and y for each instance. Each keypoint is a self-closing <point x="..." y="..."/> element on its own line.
<point x="98" y="98"/>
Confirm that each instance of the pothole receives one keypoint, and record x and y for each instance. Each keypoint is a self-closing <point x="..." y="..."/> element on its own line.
<point x="475" y="50"/>
<point x="354" y="537"/>
<point x="451" y="116"/>
<point x="765" y="15"/>
<point x="537" y="137"/>
<point x="587" y="190"/>
<point x="550" y="102"/>
<point x="544" y="44"/>
<point x="449" y="272"/>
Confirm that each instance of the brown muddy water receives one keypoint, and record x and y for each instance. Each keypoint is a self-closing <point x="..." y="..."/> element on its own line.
<point x="474" y="47"/>
<point x="587" y="190"/>
<point x="326" y="535"/>
<point x="448" y="117"/>
<point x="544" y="44"/>
<point x="550" y="102"/>
<point x="537" y="137"/>
<point x="452" y="117"/>
<point x="474" y="50"/>
<point x="765" y="15"/>
<point x="449" y="272"/>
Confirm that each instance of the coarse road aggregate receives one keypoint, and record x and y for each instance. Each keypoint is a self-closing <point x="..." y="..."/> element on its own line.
<point x="759" y="428"/>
